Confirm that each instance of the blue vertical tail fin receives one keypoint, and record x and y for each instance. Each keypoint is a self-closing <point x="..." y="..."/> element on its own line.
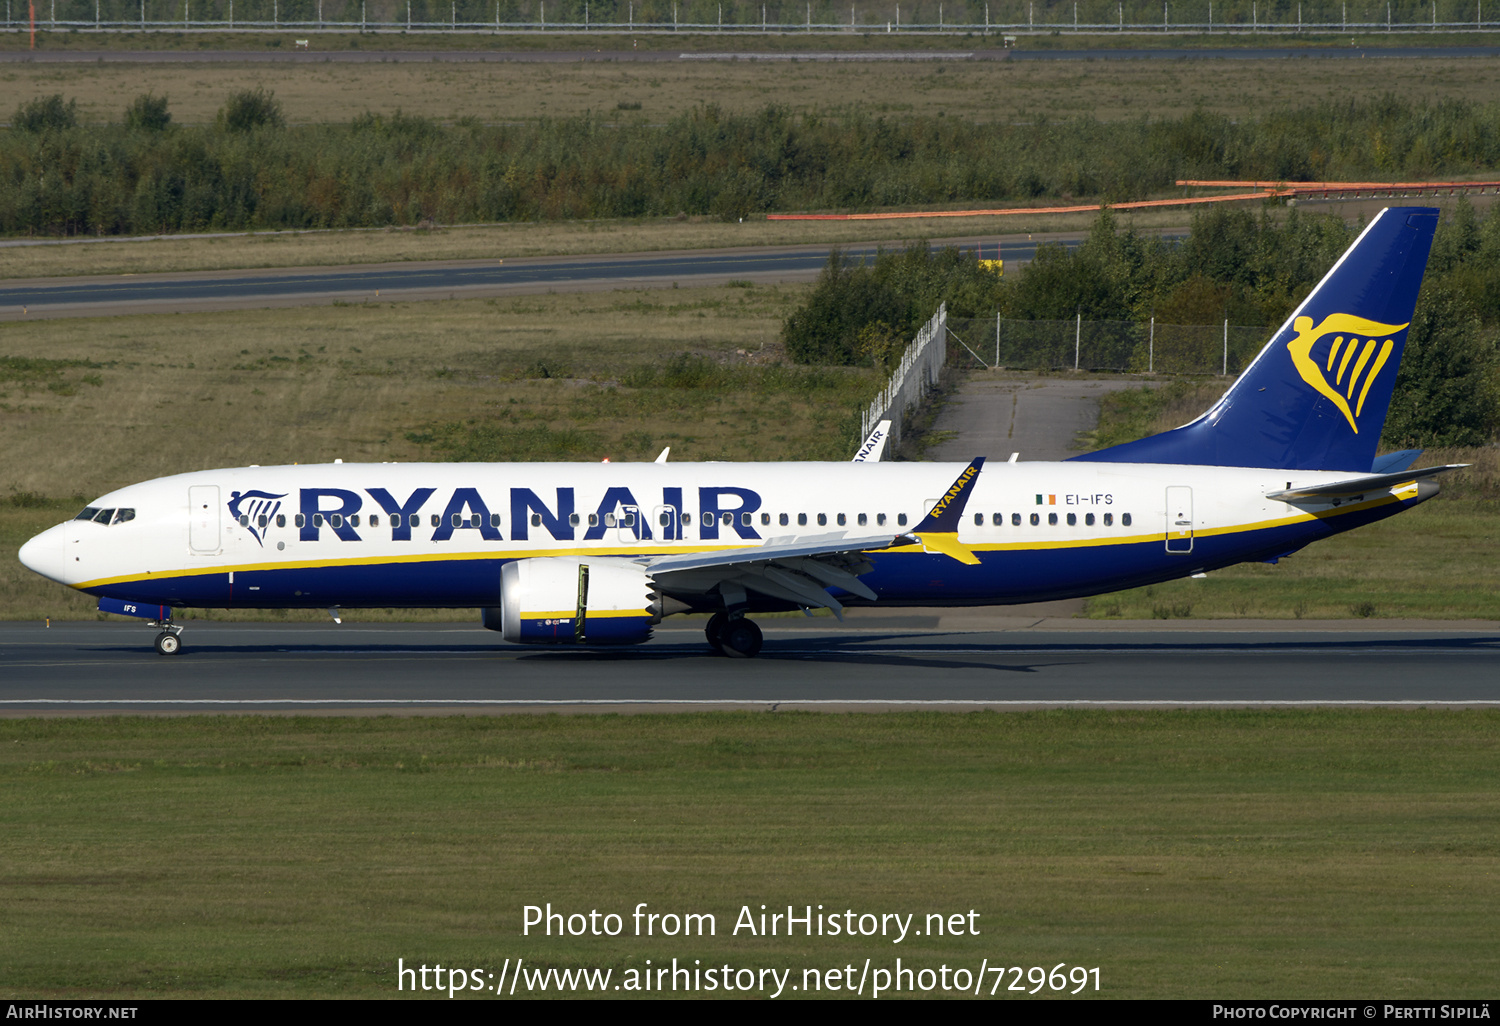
<point x="1317" y="395"/>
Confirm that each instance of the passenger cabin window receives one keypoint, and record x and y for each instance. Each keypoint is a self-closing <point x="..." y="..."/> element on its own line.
<point x="1125" y="519"/>
<point x="727" y="519"/>
<point x="801" y="519"/>
<point x="609" y="520"/>
<point x="765" y="519"/>
<point x="494" y="519"/>
<point x="900" y="519"/>
<point x="436" y="520"/>
<point x="457" y="520"/>
<point x="1109" y="520"/>
<point x="374" y="519"/>
<point x="978" y="519"/>
<point x="822" y="519"/>
<point x="1088" y="520"/>
<point x="629" y="519"/>
<point x="864" y="519"/>
<point x="745" y="519"/>
<point x="1072" y="519"/>
<point x="281" y="520"/>
<point x="998" y="519"/>
<point x="573" y="519"/>
<point x="1015" y="520"/>
<point x="260" y="521"/>
<point x="244" y="519"/>
<point x="708" y="520"/>
<point x="536" y="520"/>
<point x="300" y="520"/>
<point x="337" y="520"/>
<point x="880" y="519"/>
<point x="782" y="520"/>
<point x="317" y="520"/>
<point x="1052" y="519"/>
<point x="414" y="520"/>
<point x="1035" y="519"/>
<point x="354" y="520"/>
<point x="843" y="520"/>
<point x="593" y="520"/>
<point x="665" y="520"/>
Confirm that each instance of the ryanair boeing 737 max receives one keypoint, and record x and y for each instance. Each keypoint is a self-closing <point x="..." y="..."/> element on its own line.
<point x="571" y="553"/>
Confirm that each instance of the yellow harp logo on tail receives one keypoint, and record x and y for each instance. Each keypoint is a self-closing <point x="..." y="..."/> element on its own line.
<point x="1355" y="357"/>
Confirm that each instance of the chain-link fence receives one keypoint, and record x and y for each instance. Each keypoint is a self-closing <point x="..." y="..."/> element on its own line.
<point x="823" y="17"/>
<point x="1104" y="345"/>
<point x="916" y="375"/>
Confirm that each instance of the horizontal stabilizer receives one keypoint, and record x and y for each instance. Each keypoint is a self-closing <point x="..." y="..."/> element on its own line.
<point x="1394" y="461"/>
<point x="1358" y="485"/>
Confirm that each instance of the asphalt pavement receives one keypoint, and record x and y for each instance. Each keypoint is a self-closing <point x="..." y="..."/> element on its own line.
<point x="879" y="662"/>
<point x="229" y="290"/>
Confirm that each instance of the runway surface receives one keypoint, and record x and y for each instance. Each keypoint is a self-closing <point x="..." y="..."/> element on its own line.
<point x="898" y="662"/>
<point x="226" y="290"/>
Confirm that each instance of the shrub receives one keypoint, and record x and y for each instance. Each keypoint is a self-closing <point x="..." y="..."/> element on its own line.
<point x="45" y="114"/>
<point x="249" y="110"/>
<point x="148" y="112"/>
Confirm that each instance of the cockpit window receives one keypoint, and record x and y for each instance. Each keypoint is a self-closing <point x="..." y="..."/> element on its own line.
<point x="122" y="515"/>
<point x="105" y="516"/>
<point x="89" y="513"/>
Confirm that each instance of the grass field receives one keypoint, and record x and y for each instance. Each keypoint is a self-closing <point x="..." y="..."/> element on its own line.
<point x="1186" y="854"/>
<point x="974" y="90"/>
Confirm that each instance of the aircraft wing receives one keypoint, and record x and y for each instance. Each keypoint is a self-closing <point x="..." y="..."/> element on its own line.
<point x="1358" y="485"/>
<point x="796" y="570"/>
<point x="800" y="569"/>
<point x="804" y="547"/>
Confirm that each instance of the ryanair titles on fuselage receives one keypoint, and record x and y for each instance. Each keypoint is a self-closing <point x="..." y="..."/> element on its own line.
<point x="525" y="513"/>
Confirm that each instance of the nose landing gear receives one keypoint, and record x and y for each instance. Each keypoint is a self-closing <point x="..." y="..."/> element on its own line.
<point x="169" y="641"/>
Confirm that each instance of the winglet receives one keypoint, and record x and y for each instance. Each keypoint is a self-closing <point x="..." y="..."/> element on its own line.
<point x="946" y="514"/>
<point x="938" y="531"/>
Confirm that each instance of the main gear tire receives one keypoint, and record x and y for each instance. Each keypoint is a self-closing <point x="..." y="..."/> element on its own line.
<point x="742" y="639"/>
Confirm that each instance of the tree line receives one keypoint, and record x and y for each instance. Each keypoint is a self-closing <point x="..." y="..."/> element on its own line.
<point x="1235" y="265"/>
<point x="251" y="170"/>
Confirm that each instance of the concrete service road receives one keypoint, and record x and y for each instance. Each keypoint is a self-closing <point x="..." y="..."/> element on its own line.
<point x="111" y="667"/>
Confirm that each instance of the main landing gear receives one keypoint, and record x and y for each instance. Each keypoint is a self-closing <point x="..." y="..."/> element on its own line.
<point x="169" y="641"/>
<point x="735" y="636"/>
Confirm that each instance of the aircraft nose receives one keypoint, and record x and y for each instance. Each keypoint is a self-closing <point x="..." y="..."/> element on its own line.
<point x="46" y="554"/>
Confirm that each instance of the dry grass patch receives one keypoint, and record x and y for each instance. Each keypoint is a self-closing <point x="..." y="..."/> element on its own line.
<point x="975" y="90"/>
<point x="173" y="393"/>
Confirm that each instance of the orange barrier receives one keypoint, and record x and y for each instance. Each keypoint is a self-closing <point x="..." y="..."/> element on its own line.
<point x="1356" y="187"/>
<point x="1011" y="211"/>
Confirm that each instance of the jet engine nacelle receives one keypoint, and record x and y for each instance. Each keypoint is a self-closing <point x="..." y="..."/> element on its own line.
<point x="573" y="601"/>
